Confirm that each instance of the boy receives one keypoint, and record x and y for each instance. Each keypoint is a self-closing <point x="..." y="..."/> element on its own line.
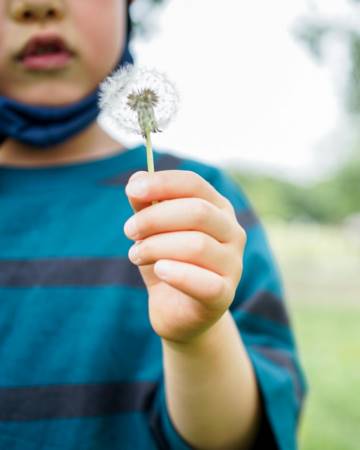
<point x="188" y="344"/>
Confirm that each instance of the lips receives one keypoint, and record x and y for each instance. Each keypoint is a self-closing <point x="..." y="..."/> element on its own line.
<point x="42" y="48"/>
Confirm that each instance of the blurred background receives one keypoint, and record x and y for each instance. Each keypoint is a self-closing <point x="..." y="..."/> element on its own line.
<point x="270" y="92"/>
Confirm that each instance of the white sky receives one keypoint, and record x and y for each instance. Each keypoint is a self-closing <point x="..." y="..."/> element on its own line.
<point x="250" y="95"/>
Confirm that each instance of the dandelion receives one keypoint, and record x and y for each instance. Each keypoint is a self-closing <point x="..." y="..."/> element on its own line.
<point x="139" y="100"/>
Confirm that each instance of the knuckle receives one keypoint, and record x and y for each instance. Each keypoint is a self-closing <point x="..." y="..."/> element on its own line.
<point x="219" y="288"/>
<point x="145" y="224"/>
<point x="242" y="236"/>
<point x="201" y="211"/>
<point x="228" y="204"/>
<point x="199" y="244"/>
<point x="220" y="294"/>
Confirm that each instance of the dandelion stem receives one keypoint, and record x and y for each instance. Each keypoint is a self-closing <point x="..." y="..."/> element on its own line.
<point x="149" y="153"/>
<point x="149" y="156"/>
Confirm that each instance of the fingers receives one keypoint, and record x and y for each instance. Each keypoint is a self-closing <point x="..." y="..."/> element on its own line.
<point x="137" y="204"/>
<point x="205" y="286"/>
<point x="182" y="214"/>
<point x="144" y="187"/>
<point x="186" y="246"/>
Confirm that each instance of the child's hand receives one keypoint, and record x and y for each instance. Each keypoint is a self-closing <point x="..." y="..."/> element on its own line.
<point x="193" y="229"/>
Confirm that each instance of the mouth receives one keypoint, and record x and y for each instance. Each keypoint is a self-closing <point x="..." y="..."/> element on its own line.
<point x="45" y="52"/>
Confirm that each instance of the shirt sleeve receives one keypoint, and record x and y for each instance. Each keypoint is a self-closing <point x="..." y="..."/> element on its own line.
<point x="260" y="313"/>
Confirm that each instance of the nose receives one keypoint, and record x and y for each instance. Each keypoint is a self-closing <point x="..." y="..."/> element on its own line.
<point x="36" y="10"/>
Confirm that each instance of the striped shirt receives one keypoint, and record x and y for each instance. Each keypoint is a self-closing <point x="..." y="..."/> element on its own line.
<point x="81" y="367"/>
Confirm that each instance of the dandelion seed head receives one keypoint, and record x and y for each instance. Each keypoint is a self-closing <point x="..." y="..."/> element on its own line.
<point x="142" y="99"/>
<point x="132" y="89"/>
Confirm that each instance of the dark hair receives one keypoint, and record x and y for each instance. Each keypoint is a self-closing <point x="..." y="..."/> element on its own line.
<point x="129" y="23"/>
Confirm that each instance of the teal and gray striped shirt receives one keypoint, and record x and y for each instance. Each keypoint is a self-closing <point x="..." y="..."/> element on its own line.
<point x="81" y="367"/>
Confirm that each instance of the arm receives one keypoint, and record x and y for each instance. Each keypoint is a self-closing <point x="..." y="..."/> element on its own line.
<point x="190" y="307"/>
<point x="201" y="380"/>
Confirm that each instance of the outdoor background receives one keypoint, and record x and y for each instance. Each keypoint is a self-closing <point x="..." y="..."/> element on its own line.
<point x="270" y="91"/>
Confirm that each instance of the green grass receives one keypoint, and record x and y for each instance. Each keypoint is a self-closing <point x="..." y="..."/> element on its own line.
<point x="319" y="264"/>
<point x="321" y="272"/>
<point x="328" y="339"/>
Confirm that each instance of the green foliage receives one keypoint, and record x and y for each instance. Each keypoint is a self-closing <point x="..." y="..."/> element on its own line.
<point x="329" y="201"/>
<point x="340" y="195"/>
<point x="352" y="94"/>
<point x="271" y="197"/>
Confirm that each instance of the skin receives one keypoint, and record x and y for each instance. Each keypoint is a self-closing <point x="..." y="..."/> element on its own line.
<point x="96" y="35"/>
<point x="193" y="228"/>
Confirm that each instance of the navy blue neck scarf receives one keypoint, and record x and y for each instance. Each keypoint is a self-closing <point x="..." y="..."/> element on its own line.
<point x="45" y="126"/>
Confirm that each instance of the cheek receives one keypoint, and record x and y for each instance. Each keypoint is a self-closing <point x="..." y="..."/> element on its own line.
<point x="101" y="27"/>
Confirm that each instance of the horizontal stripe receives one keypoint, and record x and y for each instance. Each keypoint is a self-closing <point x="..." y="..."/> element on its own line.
<point x="165" y="162"/>
<point x="254" y="328"/>
<point x="266" y="305"/>
<point x="69" y="401"/>
<point x="284" y="359"/>
<point x="69" y="272"/>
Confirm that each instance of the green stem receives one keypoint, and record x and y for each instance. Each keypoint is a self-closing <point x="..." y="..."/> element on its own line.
<point x="149" y="157"/>
<point x="149" y="153"/>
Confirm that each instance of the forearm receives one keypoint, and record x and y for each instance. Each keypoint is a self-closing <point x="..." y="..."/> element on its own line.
<point x="211" y="389"/>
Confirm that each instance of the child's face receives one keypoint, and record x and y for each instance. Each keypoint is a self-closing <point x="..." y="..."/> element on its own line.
<point x="94" y="29"/>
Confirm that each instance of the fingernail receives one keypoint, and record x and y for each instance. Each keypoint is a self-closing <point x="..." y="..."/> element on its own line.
<point x="131" y="228"/>
<point x="134" y="254"/>
<point x="137" y="188"/>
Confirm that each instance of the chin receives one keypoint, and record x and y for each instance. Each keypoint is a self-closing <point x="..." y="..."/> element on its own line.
<point x="43" y="95"/>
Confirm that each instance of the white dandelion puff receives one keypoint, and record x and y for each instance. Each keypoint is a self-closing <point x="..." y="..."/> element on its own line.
<point x="139" y="99"/>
